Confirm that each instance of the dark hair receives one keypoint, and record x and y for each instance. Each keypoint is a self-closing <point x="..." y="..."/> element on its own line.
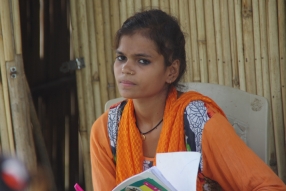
<point x="161" y="28"/>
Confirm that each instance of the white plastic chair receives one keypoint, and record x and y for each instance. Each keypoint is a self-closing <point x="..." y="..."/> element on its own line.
<point x="248" y="113"/>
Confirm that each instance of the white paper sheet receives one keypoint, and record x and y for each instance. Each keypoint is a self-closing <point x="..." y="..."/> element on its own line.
<point x="180" y="168"/>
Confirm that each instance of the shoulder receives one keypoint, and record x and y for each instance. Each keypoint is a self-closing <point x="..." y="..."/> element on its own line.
<point x="99" y="127"/>
<point x="197" y="110"/>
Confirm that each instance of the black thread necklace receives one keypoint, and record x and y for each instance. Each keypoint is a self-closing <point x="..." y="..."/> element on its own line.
<point x="143" y="134"/>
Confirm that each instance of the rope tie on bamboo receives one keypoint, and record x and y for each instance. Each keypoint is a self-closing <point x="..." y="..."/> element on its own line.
<point x="143" y="134"/>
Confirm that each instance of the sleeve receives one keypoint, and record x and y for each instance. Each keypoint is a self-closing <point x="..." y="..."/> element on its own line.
<point x="102" y="164"/>
<point x="230" y="162"/>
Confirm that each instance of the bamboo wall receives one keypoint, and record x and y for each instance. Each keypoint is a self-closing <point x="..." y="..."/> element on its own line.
<point x="38" y="106"/>
<point x="237" y="43"/>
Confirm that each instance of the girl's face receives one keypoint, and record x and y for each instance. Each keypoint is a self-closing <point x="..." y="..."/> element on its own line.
<point x="139" y="69"/>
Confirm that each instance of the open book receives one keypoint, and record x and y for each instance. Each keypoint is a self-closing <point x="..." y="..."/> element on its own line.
<point x="175" y="171"/>
<point x="149" y="180"/>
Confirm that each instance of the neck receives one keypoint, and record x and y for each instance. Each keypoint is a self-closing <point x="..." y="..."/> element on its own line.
<point x="150" y="110"/>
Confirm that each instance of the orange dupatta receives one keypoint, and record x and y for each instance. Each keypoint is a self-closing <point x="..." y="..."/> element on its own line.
<point x="129" y="143"/>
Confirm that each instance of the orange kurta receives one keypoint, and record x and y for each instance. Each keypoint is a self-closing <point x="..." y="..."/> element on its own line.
<point x="226" y="159"/>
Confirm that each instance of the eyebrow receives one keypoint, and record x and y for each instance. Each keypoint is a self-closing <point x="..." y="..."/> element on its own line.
<point x="137" y="55"/>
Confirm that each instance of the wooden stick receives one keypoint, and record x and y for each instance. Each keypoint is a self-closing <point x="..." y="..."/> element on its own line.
<point x="87" y="89"/>
<point x="210" y="39"/>
<point x="202" y="40"/>
<point x="275" y="84"/>
<point x="93" y="60"/>
<point x="248" y="46"/>
<point x="226" y="43"/>
<point x="5" y="146"/>
<point x="165" y="5"/>
<point x="6" y="91"/>
<point x="257" y="53"/>
<point x="86" y="72"/>
<point x="98" y="17"/>
<point x="232" y="38"/>
<point x="184" y="20"/>
<point x="115" y="25"/>
<point x="82" y="117"/>
<point x="218" y="41"/>
<point x="282" y="50"/>
<point x="17" y="26"/>
<point x="239" y="44"/>
<point x="7" y="30"/>
<point x="108" y="49"/>
<point x="266" y="83"/>
<point x="75" y="39"/>
<point x="21" y="114"/>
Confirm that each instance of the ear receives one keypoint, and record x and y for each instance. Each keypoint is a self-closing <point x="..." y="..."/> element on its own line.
<point x="173" y="71"/>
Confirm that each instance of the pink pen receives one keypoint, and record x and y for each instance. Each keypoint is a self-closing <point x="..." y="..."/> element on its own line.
<point x="77" y="187"/>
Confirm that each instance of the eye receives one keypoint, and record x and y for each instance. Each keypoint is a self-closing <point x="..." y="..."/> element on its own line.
<point x="120" y="58"/>
<point x="144" y="61"/>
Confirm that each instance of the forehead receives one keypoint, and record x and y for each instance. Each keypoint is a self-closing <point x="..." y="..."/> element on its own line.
<point x="137" y="43"/>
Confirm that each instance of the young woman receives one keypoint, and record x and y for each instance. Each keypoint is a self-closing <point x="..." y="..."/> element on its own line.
<point x="155" y="117"/>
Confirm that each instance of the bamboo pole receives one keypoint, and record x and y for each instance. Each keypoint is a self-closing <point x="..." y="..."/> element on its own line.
<point x="93" y="60"/>
<point x="82" y="115"/>
<point x="165" y="5"/>
<point x="115" y="25"/>
<point x="275" y="84"/>
<point x="282" y="50"/>
<point x="174" y="8"/>
<point x="202" y="40"/>
<point x="194" y="59"/>
<point x="73" y="7"/>
<point x="239" y="44"/>
<point x="218" y="41"/>
<point x="87" y="89"/>
<point x="226" y="52"/>
<point x="21" y="114"/>
<point x="130" y="8"/>
<point x="210" y="37"/>
<point x="184" y="20"/>
<point x="248" y="46"/>
<point x="146" y="4"/>
<point x="17" y="26"/>
<point x="7" y="30"/>
<point x="123" y="11"/>
<point x="266" y="83"/>
<point x="4" y="130"/>
<point x="86" y="71"/>
<point x="108" y="49"/>
<point x="98" y="17"/>
<point x="5" y="147"/>
<point x="6" y="54"/>
<point x="233" y="50"/>
<point x="257" y="53"/>
<point x="155" y="4"/>
<point x="137" y="6"/>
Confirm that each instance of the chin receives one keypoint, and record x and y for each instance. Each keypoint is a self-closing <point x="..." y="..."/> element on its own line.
<point x="126" y="94"/>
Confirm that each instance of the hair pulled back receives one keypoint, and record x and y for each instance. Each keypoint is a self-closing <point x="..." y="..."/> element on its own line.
<point x="162" y="29"/>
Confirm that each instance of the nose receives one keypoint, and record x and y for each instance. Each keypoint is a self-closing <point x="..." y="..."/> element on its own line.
<point x="127" y="68"/>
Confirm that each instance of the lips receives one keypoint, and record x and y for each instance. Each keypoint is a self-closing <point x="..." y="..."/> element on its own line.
<point x="127" y="82"/>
